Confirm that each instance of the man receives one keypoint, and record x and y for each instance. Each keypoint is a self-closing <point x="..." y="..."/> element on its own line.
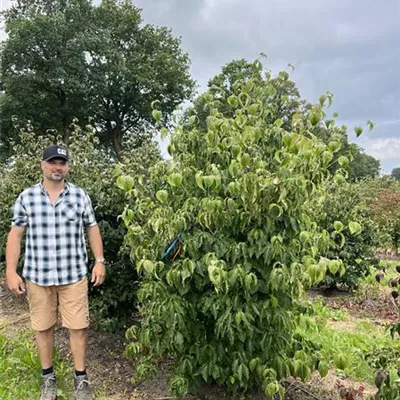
<point x="55" y="212"/>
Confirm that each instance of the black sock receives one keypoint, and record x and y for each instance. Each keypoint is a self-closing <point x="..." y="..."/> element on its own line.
<point x="47" y="371"/>
<point x="80" y="373"/>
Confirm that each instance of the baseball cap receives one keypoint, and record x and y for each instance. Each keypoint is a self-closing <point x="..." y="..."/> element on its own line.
<point x="55" y="151"/>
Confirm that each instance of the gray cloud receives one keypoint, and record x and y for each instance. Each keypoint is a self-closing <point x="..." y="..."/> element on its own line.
<point x="349" y="48"/>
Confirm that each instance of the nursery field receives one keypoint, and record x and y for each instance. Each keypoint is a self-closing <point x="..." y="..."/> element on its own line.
<point x="350" y="326"/>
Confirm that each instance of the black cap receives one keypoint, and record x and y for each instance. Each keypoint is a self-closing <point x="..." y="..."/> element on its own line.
<point x="55" y="151"/>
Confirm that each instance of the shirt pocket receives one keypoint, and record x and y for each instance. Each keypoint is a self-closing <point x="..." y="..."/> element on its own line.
<point x="70" y="212"/>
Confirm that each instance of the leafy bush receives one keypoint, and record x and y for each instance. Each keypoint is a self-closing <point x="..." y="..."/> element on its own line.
<point x="226" y="302"/>
<point x="92" y="169"/>
<point x="344" y="203"/>
<point x="382" y="196"/>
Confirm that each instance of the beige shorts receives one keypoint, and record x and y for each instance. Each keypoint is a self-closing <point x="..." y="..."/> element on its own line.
<point x="70" y="300"/>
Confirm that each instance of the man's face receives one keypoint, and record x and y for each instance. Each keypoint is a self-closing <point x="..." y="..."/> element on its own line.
<point x="55" y="169"/>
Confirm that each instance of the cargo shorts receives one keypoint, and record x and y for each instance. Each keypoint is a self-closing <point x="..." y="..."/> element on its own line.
<point x="70" y="300"/>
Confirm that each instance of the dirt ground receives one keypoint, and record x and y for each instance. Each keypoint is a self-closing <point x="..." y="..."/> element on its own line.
<point x="111" y="373"/>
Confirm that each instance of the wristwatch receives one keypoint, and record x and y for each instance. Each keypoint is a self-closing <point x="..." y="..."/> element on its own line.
<point x="101" y="260"/>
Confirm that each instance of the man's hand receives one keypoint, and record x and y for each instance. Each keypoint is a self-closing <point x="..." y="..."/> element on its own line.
<point x="15" y="283"/>
<point x="98" y="274"/>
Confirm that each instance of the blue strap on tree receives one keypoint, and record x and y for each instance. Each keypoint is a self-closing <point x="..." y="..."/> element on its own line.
<point x="174" y="248"/>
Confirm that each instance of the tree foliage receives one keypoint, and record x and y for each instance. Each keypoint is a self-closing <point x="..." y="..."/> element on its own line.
<point x="285" y="103"/>
<point x="99" y="64"/>
<point x="382" y="196"/>
<point x="284" y="99"/>
<point x="396" y="173"/>
<point x="334" y="211"/>
<point x="363" y="165"/>
<point x="225" y="303"/>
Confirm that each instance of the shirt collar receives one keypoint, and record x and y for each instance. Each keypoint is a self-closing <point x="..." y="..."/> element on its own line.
<point x="63" y="192"/>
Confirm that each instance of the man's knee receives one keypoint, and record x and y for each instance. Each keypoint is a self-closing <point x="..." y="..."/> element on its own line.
<point x="78" y="333"/>
<point x="46" y="332"/>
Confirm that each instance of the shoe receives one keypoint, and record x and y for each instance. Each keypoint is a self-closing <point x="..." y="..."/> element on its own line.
<point x="82" y="388"/>
<point x="49" y="387"/>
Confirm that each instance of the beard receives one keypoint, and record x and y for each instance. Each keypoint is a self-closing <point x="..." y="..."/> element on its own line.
<point x="55" y="177"/>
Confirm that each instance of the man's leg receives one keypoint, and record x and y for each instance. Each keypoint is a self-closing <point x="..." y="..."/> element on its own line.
<point x="78" y="341"/>
<point x="74" y="309"/>
<point x="43" y="309"/>
<point x="45" y="343"/>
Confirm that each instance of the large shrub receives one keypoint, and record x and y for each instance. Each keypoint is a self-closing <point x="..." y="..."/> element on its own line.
<point x="92" y="169"/>
<point x="342" y="205"/>
<point x="382" y="196"/>
<point x="226" y="300"/>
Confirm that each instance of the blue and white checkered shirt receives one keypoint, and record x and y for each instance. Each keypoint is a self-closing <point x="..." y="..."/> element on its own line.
<point x="55" y="250"/>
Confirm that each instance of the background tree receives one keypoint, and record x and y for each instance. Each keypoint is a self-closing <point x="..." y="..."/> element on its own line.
<point x="283" y="99"/>
<point x="283" y="102"/>
<point x="69" y="59"/>
<point x="382" y="196"/>
<point x="396" y="173"/>
<point x="363" y="165"/>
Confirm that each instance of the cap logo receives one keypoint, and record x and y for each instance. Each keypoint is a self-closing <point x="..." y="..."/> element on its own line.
<point x="62" y="151"/>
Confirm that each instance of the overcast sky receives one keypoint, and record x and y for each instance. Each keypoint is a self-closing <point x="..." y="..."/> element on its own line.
<point x="348" y="47"/>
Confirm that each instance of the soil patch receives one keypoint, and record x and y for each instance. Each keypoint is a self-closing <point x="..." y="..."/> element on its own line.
<point x="377" y="306"/>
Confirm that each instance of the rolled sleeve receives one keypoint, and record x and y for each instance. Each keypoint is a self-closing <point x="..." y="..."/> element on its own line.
<point x="89" y="218"/>
<point x="19" y="214"/>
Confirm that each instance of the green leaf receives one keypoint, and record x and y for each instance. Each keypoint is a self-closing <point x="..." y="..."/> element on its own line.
<point x="343" y="161"/>
<point x="233" y="101"/>
<point x="117" y="171"/>
<point x="179" y="339"/>
<point x="157" y="115"/>
<point x="327" y="156"/>
<point x="323" y="369"/>
<point x="355" y="228"/>
<point x="175" y="179"/>
<point x="338" y="226"/>
<point x="339" y="179"/>
<point x="333" y="266"/>
<point x="304" y="237"/>
<point x="164" y="132"/>
<point x="162" y="196"/>
<point x="315" y="117"/>
<point x="154" y="104"/>
<point x="125" y="182"/>
<point x="334" y="146"/>
<point x="371" y="125"/>
<point x="193" y="120"/>
<point x="358" y="131"/>
<point x="199" y="180"/>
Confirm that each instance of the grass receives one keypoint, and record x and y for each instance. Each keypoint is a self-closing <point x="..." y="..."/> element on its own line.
<point x="356" y="352"/>
<point x="20" y="369"/>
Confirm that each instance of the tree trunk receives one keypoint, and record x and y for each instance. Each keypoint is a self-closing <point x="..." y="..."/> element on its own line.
<point x="65" y="133"/>
<point x="117" y="144"/>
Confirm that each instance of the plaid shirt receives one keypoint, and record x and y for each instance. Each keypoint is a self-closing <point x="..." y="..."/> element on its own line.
<point x="55" y="251"/>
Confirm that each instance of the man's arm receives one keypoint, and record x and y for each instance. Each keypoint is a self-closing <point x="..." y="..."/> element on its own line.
<point x="96" y="245"/>
<point x="13" y="251"/>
